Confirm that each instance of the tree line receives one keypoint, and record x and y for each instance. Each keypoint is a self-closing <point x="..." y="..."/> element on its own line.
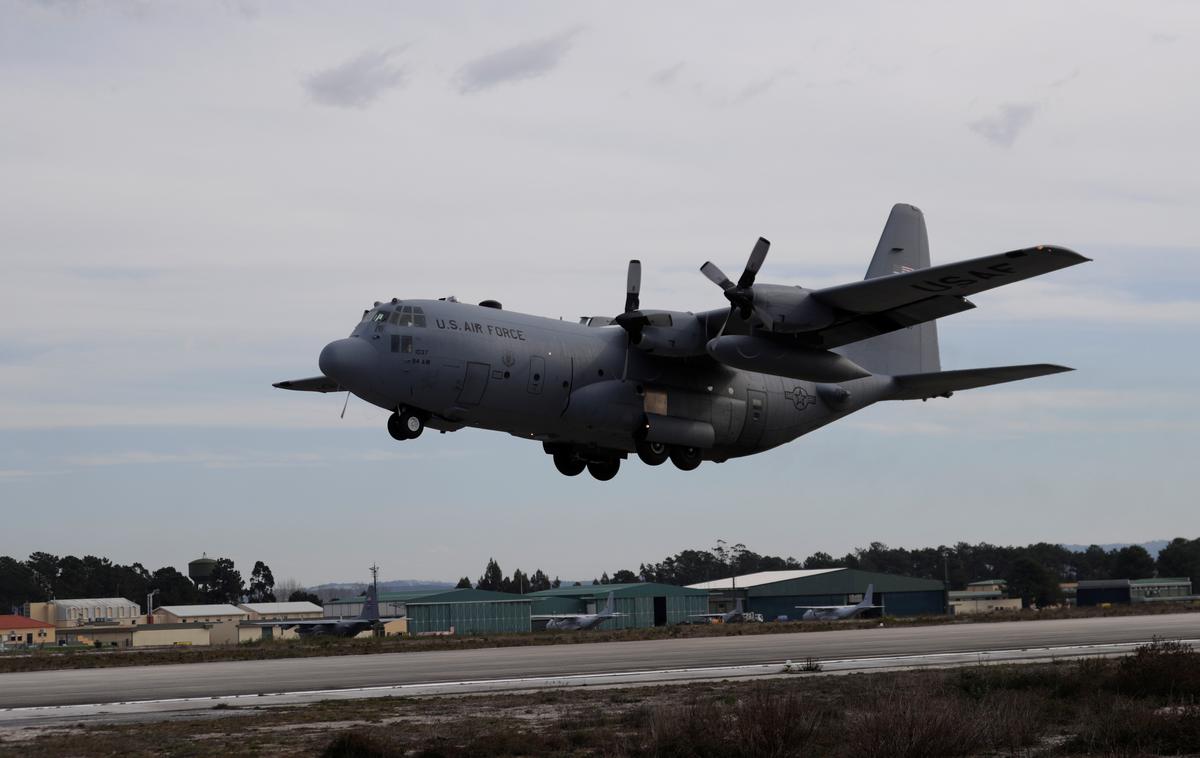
<point x="44" y="576"/>
<point x="1032" y="572"/>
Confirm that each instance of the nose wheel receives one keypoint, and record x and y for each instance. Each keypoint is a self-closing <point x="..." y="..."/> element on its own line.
<point x="405" y="424"/>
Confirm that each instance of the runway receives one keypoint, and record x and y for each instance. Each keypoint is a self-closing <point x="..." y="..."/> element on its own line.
<point x="597" y="661"/>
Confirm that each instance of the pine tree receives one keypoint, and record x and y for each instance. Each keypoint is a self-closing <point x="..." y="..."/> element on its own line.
<point x="262" y="584"/>
<point x="493" y="577"/>
<point x="226" y="585"/>
<point x="463" y="584"/>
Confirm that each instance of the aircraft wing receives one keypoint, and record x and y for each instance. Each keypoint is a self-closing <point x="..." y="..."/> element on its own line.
<point x="318" y="622"/>
<point x="312" y="384"/>
<point x="884" y="304"/>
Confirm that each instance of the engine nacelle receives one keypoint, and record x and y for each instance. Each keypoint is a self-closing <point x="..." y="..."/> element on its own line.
<point x="673" y="334"/>
<point x="770" y="357"/>
<point x="791" y="309"/>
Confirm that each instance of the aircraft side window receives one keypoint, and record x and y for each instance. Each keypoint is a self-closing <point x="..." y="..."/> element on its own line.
<point x="419" y="320"/>
<point x="394" y="318"/>
<point x="406" y="344"/>
<point x="381" y="316"/>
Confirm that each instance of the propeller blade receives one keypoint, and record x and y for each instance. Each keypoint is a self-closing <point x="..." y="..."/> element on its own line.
<point x="633" y="285"/>
<point x="716" y="276"/>
<point x="757" y="256"/>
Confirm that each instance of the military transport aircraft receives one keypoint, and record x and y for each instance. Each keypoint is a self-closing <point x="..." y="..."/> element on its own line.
<point x="368" y="619"/>
<point x="576" y="622"/>
<point x="778" y="363"/>
<point x="732" y="616"/>
<point x="838" y="612"/>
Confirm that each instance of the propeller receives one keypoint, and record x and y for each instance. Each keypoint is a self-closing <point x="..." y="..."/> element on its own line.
<point x="740" y="295"/>
<point x="632" y="320"/>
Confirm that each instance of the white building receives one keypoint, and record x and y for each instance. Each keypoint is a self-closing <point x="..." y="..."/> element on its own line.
<point x="80" y="611"/>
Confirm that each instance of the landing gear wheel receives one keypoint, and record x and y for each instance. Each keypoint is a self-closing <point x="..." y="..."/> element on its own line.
<point x="686" y="458"/>
<point x="568" y="465"/>
<point x="604" y="470"/>
<point x="653" y="453"/>
<point x="405" y="425"/>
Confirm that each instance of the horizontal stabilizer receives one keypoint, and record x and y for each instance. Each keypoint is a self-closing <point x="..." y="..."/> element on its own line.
<point x="312" y="384"/>
<point x="942" y="383"/>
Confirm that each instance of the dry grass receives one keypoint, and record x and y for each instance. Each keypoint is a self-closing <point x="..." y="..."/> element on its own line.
<point x="1138" y="705"/>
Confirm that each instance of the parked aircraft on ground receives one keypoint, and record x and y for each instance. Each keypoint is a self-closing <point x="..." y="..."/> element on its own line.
<point x="778" y="363"/>
<point x="572" y="622"/>
<point x="838" y="612"/>
<point x="732" y="616"/>
<point x="368" y="618"/>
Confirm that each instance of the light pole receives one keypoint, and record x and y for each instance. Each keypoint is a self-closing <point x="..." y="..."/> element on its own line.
<point x="150" y="606"/>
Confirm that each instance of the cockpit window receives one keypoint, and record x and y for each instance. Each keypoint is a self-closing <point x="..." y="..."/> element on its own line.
<point x="411" y="316"/>
<point x="381" y="316"/>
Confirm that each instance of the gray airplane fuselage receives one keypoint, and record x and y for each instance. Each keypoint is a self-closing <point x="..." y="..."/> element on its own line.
<point x="559" y="381"/>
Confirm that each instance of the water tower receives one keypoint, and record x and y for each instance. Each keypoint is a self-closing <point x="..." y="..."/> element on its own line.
<point x="200" y="571"/>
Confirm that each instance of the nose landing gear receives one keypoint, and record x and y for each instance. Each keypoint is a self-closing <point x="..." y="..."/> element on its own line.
<point x="405" y="424"/>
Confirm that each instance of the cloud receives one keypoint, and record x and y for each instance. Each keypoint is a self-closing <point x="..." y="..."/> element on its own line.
<point x="1044" y="301"/>
<point x="525" y="61"/>
<point x="1004" y="127"/>
<point x="666" y="76"/>
<point x="758" y="87"/>
<point x="358" y="82"/>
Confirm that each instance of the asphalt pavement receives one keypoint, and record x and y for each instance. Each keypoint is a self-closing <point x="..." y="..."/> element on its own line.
<point x="192" y="680"/>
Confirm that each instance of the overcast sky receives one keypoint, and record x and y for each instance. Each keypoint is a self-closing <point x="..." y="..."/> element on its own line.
<point x="195" y="198"/>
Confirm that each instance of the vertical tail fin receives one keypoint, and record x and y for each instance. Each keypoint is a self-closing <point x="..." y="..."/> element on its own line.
<point x="608" y="606"/>
<point x="370" y="610"/>
<point x="903" y="247"/>
<point x="738" y="607"/>
<point x="869" y="598"/>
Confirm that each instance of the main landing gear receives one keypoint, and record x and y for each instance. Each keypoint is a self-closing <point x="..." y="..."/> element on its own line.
<point x="604" y="465"/>
<point x="405" y="424"/>
<point x="657" y="453"/>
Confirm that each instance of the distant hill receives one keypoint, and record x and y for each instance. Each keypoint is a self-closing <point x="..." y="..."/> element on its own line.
<point x="1152" y="547"/>
<point x="331" y="590"/>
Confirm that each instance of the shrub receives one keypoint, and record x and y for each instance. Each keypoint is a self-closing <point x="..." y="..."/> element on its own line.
<point x="917" y="721"/>
<point x="1162" y="668"/>
<point x="357" y="744"/>
<point x="1121" y="726"/>
<point x="762" y="723"/>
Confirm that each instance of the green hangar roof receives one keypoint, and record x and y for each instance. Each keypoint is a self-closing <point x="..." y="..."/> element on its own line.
<point x="818" y="582"/>
<point x="600" y="591"/>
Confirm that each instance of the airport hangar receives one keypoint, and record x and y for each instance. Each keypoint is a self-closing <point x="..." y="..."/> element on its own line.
<point x="777" y="593"/>
<point x="643" y="604"/>
<point x="469" y="611"/>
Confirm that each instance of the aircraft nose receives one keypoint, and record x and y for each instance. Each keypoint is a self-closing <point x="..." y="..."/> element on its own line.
<point x="349" y="362"/>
